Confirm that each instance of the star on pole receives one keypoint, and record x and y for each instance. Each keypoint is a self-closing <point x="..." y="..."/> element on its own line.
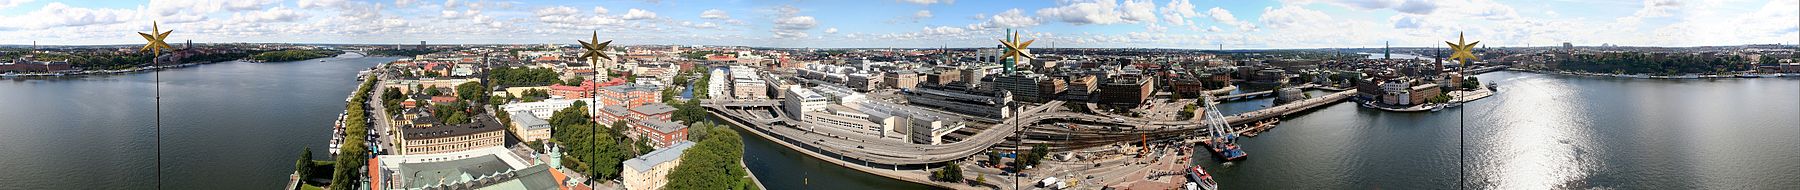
<point x="593" y="49"/>
<point x="1015" y="49"/>
<point x="1461" y="49"/>
<point x="155" y="38"/>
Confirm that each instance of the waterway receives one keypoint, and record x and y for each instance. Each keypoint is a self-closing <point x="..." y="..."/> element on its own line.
<point x="231" y="125"/>
<point x="1542" y="132"/>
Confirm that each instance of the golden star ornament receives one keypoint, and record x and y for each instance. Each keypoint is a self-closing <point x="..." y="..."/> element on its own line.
<point x="1461" y="50"/>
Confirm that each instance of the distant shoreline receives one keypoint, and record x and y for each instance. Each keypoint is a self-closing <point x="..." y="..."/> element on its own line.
<point x="1643" y="76"/>
<point x="83" y="73"/>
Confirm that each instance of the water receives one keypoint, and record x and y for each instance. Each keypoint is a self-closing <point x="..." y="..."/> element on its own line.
<point x="781" y="168"/>
<point x="229" y="125"/>
<point x="1544" y="132"/>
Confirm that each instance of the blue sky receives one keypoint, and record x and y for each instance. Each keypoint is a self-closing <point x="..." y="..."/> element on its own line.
<point x="1204" y="24"/>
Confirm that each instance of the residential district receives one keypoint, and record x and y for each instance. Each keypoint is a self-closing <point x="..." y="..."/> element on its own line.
<point x="1006" y="117"/>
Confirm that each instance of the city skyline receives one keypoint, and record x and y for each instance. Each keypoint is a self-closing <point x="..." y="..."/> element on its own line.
<point x="1191" y="24"/>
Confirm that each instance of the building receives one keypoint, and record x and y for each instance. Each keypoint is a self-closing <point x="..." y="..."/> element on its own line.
<point x="630" y="95"/>
<point x="661" y="133"/>
<point x="652" y="111"/>
<point x="528" y="127"/>
<point x="863" y="82"/>
<point x="1398" y="92"/>
<point x="988" y="105"/>
<point x="904" y="79"/>
<point x="746" y="84"/>
<point x="650" y="171"/>
<point x="491" y="167"/>
<point x="1127" y="90"/>
<point x="586" y="90"/>
<point x="1051" y="88"/>
<point x="930" y="129"/>
<point x="1023" y="85"/>
<point x="716" y="85"/>
<point x="1081" y="87"/>
<point x="801" y="100"/>
<point x="541" y="109"/>
<point x="424" y="136"/>
<point x="1422" y="93"/>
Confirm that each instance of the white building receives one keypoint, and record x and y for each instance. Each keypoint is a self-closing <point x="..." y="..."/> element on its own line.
<point x="802" y="100"/>
<point x="716" y="87"/>
<point x="541" y="109"/>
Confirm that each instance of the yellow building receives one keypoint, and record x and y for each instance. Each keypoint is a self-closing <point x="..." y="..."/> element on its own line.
<point x="483" y="131"/>
<point x="651" y="171"/>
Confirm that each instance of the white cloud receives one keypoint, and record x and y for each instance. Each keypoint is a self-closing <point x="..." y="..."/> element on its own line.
<point x="318" y="3"/>
<point x="1177" y="12"/>
<point x="57" y="14"/>
<point x="714" y="14"/>
<point x="1139" y="11"/>
<point x="922" y="14"/>
<point x="12" y="3"/>
<point x="1653" y="9"/>
<point x="1222" y="16"/>
<point x="638" y="14"/>
<point x="790" y="24"/>
<point x="1012" y="18"/>
<point x="928" y="2"/>
<point x="832" y="30"/>
<point x="1085" y="12"/>
<point x="599" y="10"/>
<point x="276" y="14"/>
<point x="1290" y="16"/>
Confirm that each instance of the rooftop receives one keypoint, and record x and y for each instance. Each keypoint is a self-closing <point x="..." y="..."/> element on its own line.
<point x="650" y="160"/>
<point x="477" y="124"/>
<point x="653" y="109"/>
<point x="664" y="126"/>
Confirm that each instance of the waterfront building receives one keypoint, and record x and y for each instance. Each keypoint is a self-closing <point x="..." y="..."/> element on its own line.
<point x="661" y="133"/>
<point x="426" y="136"/>
<point x="650" y="171"/>
<point x="1419" y="94"/>
<point x="715" y="84"/>
<point x="801" y="100"/>
<point x="1398" y="92"/>
<point x="528" y="127"/>
<point x="489" y="167"/>
<point x="930" y="129"/>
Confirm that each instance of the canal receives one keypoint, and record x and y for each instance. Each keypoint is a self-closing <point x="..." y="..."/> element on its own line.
<point x="231" y="125"/>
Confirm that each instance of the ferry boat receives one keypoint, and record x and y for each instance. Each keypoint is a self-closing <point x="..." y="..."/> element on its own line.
<point x="1200" y="180"/>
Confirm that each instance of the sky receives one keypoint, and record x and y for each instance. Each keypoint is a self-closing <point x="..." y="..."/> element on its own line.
<point x="1193" y="24"/>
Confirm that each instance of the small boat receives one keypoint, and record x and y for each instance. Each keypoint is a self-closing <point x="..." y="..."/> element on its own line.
<point x="1200" y="180"/>
<point x="1492" y="86"/>
<point x="1438" y="108"/>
